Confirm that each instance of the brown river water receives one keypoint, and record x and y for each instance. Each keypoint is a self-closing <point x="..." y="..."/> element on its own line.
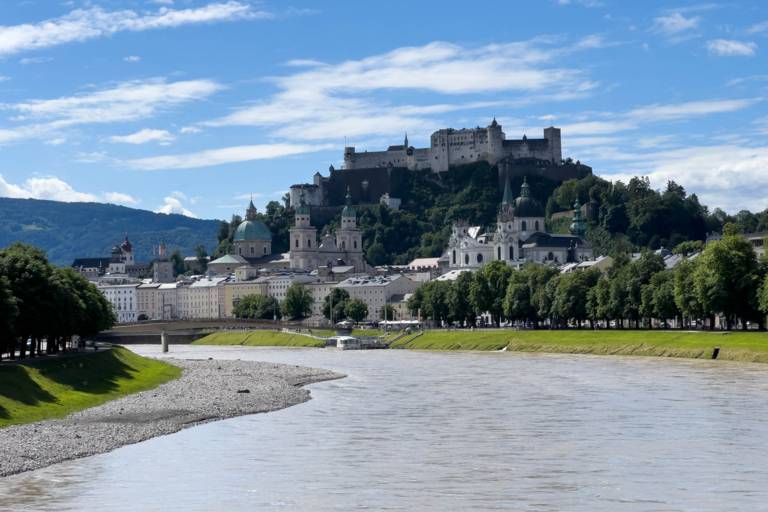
<point x="449" y="431"/>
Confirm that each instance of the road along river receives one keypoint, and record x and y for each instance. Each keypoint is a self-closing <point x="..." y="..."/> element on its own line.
<point x="448" y="431"/>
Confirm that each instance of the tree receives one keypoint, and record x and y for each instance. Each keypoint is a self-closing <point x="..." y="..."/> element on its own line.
<point x="727" y="278"/>
<point x="571" y="295"/>
<point x="298" y="302"/>
<point x="387" y="312"/>
<point x="356" y="309"/>
<point x="459" y="304"/>
<point x="258" y="307"/>
<point x="490" y="287"/>
<point x="686" y="298"/>
<point x="8" y="313"/>
<point x="178" y="263"/>
<point x="202" y="257"/>
<point x="435" y="301"/>
<point x="339" y="298"/>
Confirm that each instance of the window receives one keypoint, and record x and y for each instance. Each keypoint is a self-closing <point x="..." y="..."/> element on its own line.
<point x="297" y="243"/>
<point x="550" y="256"/>
<point x="466" y="259"/>
<point x="498" y="253"/>
<point x="253" y="250"/>
<point x="309" y="242"/>
<point x="511" y="252"/>
<point x="454" y="257"/>
<point x="355" y="244"/>
<point x="479" y="258"/>
<point x="265" y="249"/>
<point x="525" y="226"/>
<point x="537" y="225"/>
<point x="343" y="244"/>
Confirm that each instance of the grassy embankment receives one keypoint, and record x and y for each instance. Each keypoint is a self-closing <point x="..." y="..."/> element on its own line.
<point x="54" y="387"/>
<point x="266" y="338"/>
<point x="735" y="346"/>
<point x="260" y="338"/>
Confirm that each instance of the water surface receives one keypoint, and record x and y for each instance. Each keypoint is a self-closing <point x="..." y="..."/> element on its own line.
<point x="449" y="431"/>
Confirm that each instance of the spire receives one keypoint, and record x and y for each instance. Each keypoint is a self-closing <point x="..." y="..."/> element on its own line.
<point x="250" y="212"/>
<point x="348" y="211"/>
<point x="525" y="189"/>
<point x="405" y="143"/>
<point x="578" y="226"/>
<point x="494" y="123"/>
<point x="507" y="199"/>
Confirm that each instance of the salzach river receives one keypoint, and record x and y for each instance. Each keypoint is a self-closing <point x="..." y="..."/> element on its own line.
<point x="449" y="431"/>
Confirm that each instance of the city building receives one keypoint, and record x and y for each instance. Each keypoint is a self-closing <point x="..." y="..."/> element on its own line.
<point x="376" y="291"/>
<point x="345" y="247"/>
<point x="520" y="236"/>
<point x="124" y="300"/>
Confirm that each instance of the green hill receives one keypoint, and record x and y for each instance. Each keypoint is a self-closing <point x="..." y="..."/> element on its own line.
<point x="70" y="230"/>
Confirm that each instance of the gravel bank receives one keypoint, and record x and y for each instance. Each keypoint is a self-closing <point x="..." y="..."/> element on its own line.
<point x="207" y="390"/>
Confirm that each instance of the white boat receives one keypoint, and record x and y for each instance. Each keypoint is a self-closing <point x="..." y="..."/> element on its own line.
<point x="348" y="343"/>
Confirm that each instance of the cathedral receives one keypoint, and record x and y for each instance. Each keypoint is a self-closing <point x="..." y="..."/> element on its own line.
<point x="520" y="236"/>
<point x="345" y="248"/>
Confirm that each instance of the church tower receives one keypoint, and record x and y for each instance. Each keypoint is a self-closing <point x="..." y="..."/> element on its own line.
<point x="578" y="226"/>
<point x="505" y="238"/>
<point x="303" y="238"/>
<point x="349" y="238"/>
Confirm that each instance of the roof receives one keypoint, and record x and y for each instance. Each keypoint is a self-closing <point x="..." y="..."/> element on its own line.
<point x="539" y="239"/>
<point x="525" y="205"/>
<point x="452" y="275"/>
<point x="424" y="263"/>
<point x="369" y="281"/>
<point x="251" y="230"/>
<point x="91" y="262"/>
<point x="229" y="259"/>
<point x="207" y="282"/>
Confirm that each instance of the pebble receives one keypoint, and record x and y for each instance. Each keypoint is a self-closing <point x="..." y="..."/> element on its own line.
<point x="203" y="393"/>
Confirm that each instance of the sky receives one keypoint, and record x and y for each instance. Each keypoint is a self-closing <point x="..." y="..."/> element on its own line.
<point x="195" y="106"/>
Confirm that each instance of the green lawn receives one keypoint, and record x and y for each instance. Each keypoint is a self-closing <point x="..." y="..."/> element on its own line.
<point x="736" y="346"/>
<point x="260" y="338"/>
<point x="54" y="387"/>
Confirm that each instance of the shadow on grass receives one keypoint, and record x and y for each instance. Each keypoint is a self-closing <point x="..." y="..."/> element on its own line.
<point x="16" y="384"/>
<point x="94" y="373"/>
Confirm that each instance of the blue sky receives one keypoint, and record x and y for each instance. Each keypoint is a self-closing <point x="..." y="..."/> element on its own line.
<point x="192" y="106"/>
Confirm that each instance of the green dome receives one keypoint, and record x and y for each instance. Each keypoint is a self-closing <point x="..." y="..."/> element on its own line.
<point x="251" y="230"/>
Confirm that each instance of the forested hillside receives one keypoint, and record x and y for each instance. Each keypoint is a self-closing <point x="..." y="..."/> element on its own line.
<point x="69" y="230"/>
<point x="622" y="217"/>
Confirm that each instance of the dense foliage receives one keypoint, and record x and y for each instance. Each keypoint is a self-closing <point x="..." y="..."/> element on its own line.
<point x="45" y="303"/>
<point x="66" y="231"/>
<point x="257" y="307"/>
<point x="298" y="302"/>
<point x="725" y="280"/>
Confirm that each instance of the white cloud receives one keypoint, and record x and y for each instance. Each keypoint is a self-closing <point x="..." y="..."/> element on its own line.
<point x="132" y="58"/>
<point x="95" y="22"/>
<point x="120" y="198"/>
<point x="758" y="27"/>
<point x="731" y="177"/>
<point x="26" y="61"/>
<point x="190" y="129"/>
<point x="4" y="78"/>
<point x="731" y="48"/>
<point x="689" y="109"/>
<point x="674" y="24"/>
<point x="221" y="156"/>
<point x="92" y="157"/>
<point x="327" y="101"/>
<point x="126" y="101"/>
<point x="173" y="204"/>
<point x="56" y="189"/>
<point x="144" y="136"/>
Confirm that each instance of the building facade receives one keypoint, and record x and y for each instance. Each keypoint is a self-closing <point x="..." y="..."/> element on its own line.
<point x="520" y="236"/>
<point x="449" y="146"/>
<point x="376" y="291"/>
<point x="344" y="247"/>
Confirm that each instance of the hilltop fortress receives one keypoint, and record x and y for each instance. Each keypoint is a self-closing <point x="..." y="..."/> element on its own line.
<point x="456" y="147"/>
<point x="378" y="176"/>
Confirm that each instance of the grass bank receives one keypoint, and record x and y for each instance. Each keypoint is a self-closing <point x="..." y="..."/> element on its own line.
<point x="735" y="346"/>
<point x="54" y="387"/>
<point x="260" y="338"/>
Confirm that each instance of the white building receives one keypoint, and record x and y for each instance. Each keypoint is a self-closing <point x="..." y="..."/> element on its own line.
<point x="376" y="291"/>
<point x="520" y="236"/>
<point x="200" y="299"/>
<point x="124" y="300"/>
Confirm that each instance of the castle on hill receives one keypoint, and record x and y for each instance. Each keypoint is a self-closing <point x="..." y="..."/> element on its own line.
<point x="456" y="147"/>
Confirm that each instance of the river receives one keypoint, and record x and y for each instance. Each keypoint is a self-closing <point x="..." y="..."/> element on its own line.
<point x="449" y="431"/>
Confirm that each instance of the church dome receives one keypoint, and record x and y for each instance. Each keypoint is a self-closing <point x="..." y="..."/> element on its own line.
<point x="525" y="205"/>
<point x="252" y="230"/>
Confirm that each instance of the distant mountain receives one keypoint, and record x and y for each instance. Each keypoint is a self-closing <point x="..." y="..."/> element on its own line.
<point x="70" y="230"/>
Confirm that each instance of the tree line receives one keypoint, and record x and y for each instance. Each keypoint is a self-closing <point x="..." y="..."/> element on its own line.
<point x="42" y="307"/>
<point x="723" y="279"/>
